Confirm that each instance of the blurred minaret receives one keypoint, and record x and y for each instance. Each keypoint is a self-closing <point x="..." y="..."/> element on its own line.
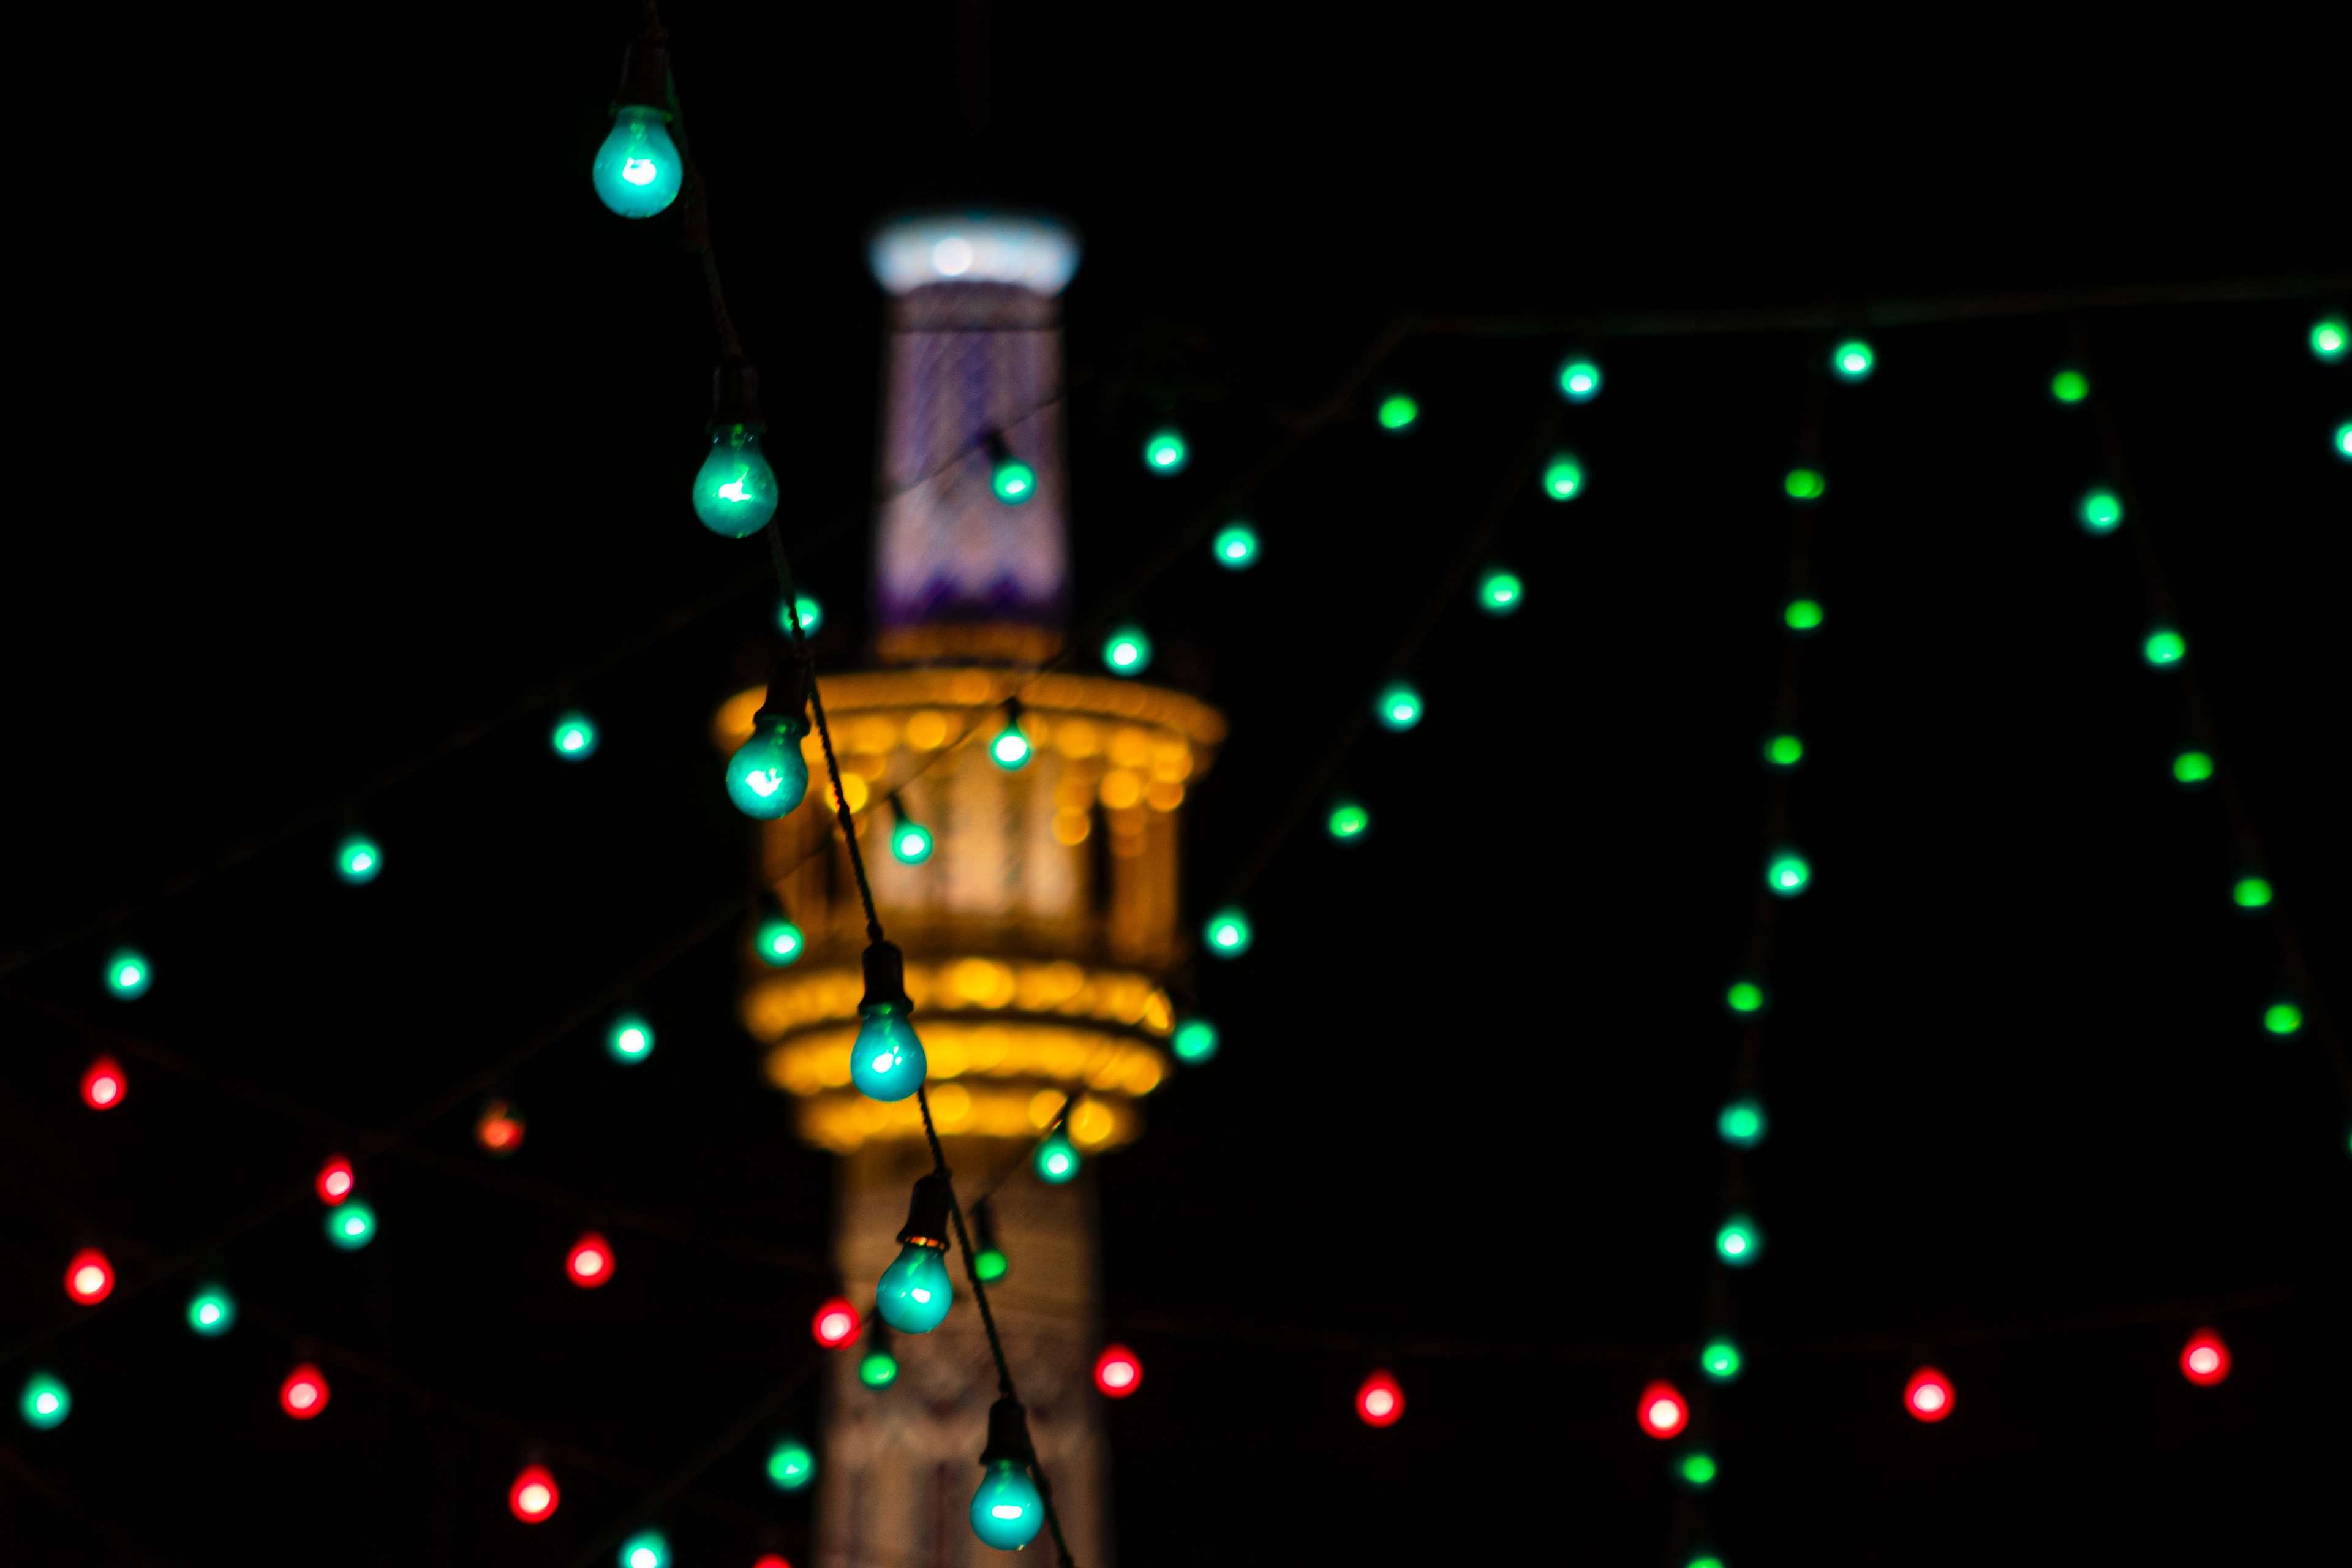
<point x="1034" y="934"/>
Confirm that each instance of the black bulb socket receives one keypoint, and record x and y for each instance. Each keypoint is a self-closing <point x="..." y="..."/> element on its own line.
<point x="645" y="76"/>
<point x="1008" y="1434"/>
<point x="885" y="978"/>
<point x="927" y="1215"/>
<point x="735" y="397"/>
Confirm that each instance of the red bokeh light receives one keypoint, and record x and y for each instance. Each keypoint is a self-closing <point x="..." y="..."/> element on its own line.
<point x="1118" y="1373"/>
<point x="2205" y="1360"/>
<point x="304" y="1393"/>
<point x="534" y="1495"/>
<point x="335" y="1180"/>
<point x="1663" y="1411"/>
<point x="499" y="1131"/>
<point x="836" y="1323"/>
<point x="102" y="1085"/>
<point x="1928" y="1395"/>
<point x="771" y="1561"/>
<point x="1379" y="1403"/>
<point x="590" y="1261"/>
<point x="89" y="1278"/>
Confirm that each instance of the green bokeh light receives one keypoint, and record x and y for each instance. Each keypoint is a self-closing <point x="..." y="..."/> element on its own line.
<point x="1228" y="933"/>
<point x="1057" y="1158"/>
<point x="1349" y="820"/>
<point x="1127" y="651"/>
<point x="1011" y="750"/>
<point x="1744" y="997"/>
<point x="2100" y="511"/>
<point x="2328" y="336"/>
<point x="631" y="1039"/>
<point x="1854" y="361"/>
<point x="1789" y="874"/>
<point x="1399" y="706"/>
<point x="1805" y="484"/>
<point x="44" y="1402"/>
<point x="2163" y="647"/>
<point x="211" y="1311"/>
<point x="358" y="860"/>
<point x="991" y="1265"/>
<point x="1705" y="1563"/>
<point x="1698" y="1470"/>
<point x="2251" y="893"/>
<point x="574" y="738"/>
<point x="1563" y="479"/>
<point x="812" y="616"/>
<point x="1399" y="411"/>
<point x="2344" y="440"/>
<point x="1235" y="546"/>
<point x="352" y="1225"/>
<point x="2192" y="767"/>
<point x="1014" y="482"/>
<point x="2069" y="386"/>
<point x="791" y="1465"/>
<point x="128" y="974"/>
<point x="1499" y="593"/>
<point x="1803" y="615"/>
<point x="1166" y="453"/>
<point x="879" y="1369"/>
<point x="911" y="843"/>
<point x="778" y="942"/>
<point x="1784" y="750"/>
<point x="1738" y="1241"/>
<point x="1195" y="1040"/>
<point x="1741" y="1124"/>
<point x="1579" y="381"/>
<point x="1721" y="1359"/>
<point x="2283" y="1018"/>
<point x="645" y="1549"/>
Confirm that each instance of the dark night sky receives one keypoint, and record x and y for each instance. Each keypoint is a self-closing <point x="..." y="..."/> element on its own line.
<point x="409" y="433"/>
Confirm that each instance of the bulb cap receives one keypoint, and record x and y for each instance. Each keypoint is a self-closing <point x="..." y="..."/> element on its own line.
<point x="886" y="977"/>
<point x="927" y="1215"/>
<point x="644" y="75"/>
<point x="789" y="679"/>
<point x="1008" y="1434"/>
<point x="735" y="397"/>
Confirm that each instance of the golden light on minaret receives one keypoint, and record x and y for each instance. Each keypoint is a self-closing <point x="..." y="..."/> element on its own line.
<point x="1035" y="933"/>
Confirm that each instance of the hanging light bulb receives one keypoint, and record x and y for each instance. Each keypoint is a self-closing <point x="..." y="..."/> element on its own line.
<point x="352" y="1226"/>
<point x="1789" y="874"/>
<point x="575" y="737"/>
<point x="2099" y="512"/>
<point x="1663" y="1411"/>
<point x="1399" y="706"/>
<point x="358" y="860"/>
<point x="499" y="1129"/>
<point x="1696" y="1467"/>
<point x="303" y="1395"/>
<point x="1499" y="591"/>
<point x="878" y="1368"/>
<point x="1805" y="484"/>
<point x="1056" y="1158"/>
<point x="1928" y="1395"/>
<point x="2069" y="386"/>
<point x="1744" y="997"/>
<point x="645" y="1549"/>
<point x="886" y="1061"/>
<point x="1006" y="1511"/>
<point x="811" y="614"/>
<point x="791" y="1464"/>
<point x="914" y="1293"/>
<point x="1398" y="413"/>
<point x="1738" y="1241"/>
<point x="211" y="1311"/>
<point x="1349" y="821"/>
<point x="2282" y="1018"/>
<point x="1380" y="1401"/>
<point x="2329" y="334"/>
<point x="638" y="172"/>
<point x="1719" y="1359"/>
<point x="1013" y="481"/>
<point x="2192" y="769"/>
<point x="1854" y="361"/>
<point x="2205" y="1360"/>
<point x="1011" y="749"/>
<point x="1235" y="547"/>
<point x="2163" y="646"/>
<point x="1195" y="1040"/>
<point x="1802" y="615"/>
<point x="533" y="1495"/>
<point x="836" y="1323"/>
<point x="44" y="1402"/>
<point x="990" y="1264"/>
<point x="768" y="776"/>
<point x="911" y="841"/>
<point x="1563" y="478"/>
<point x="1228" y="933"/>
<point x="102" y="1084"/>
<point x="128" y="974"/>
<point x="1127" y="651"/>
<point x="590" y="1261"/>
<point x="1165" y="452"/>
<point x="1118" y="1373"/>
<point x="735" y="489"/>
<point x="2251" y="893"/>
<point x="1741" y="1124"/>
<point x="334" y="1180"/>
<point x="631" y="1039"/>
<point x="1783" y="750"/>
<point x="778" y="942"/>
<point x="1579" y="380"/>
<point x="89" y="1278"/>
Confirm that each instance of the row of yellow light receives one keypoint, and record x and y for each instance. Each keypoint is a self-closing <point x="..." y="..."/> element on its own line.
<point x="844" y="1122"/>
<point x="777" y="1005"/>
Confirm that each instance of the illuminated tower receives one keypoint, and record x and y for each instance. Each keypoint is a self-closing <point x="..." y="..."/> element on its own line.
<point x="1036" y="931"/>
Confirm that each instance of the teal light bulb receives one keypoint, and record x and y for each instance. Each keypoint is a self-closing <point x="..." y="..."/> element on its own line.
<point x="791" y="1464"/>
<point x="778" y="942"/>
<point x="1741" y="1124"/>
<point x="211" y="1311"/>
<point x="1057" y="1158"/>
<point x="1235" y="547"/>
<point x="1399" y="707"/>
<point x="1127" y="651"/>
<point x="637" y="170"/>
<point x="1563" y="478"/>
<point x="128" y="974"/>
<point x="734" y="490"/>
<point x="1014" y="482"/>
<point x="1195" y="1040"/>
<point x="2344" y="440"/>
<point x="811" y="614"/>
<point x="358" y="860"/>
<point x="887" y="1061"/>
<point x="645" y="1549"/>
<point x="1011" y="750"/>
<point x="1228" y="933"/>
<point x="1579" y="381"/>
<point x="574" y="738"/>
<point x="914" y="1294"/>
<point x="1006" y="1511"/>
<point x="1738" y="1241"/>
<point x="2100" y="511"/>
<point x="767" y="777"/>
<point x="1852" y="360"/>
<point x="1789" y="874"/>
<point x="1166" y="453"/>
<point x="631" y="1040"/>
<point x="1499" y="593"/>
<point x="352" y="1225"/>
<point x="911" y="843"/>
<point x="2328" y="336"/>
<point x="1348" y="821"/>
<point x="1719" y="1359"/>
<point x="46" y="1403"/>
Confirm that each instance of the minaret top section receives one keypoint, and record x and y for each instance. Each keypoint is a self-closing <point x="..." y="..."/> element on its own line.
<point x="1035" y="253"/>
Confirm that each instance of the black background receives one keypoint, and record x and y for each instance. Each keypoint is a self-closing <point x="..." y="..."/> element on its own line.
<point x="360" y="424"/>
